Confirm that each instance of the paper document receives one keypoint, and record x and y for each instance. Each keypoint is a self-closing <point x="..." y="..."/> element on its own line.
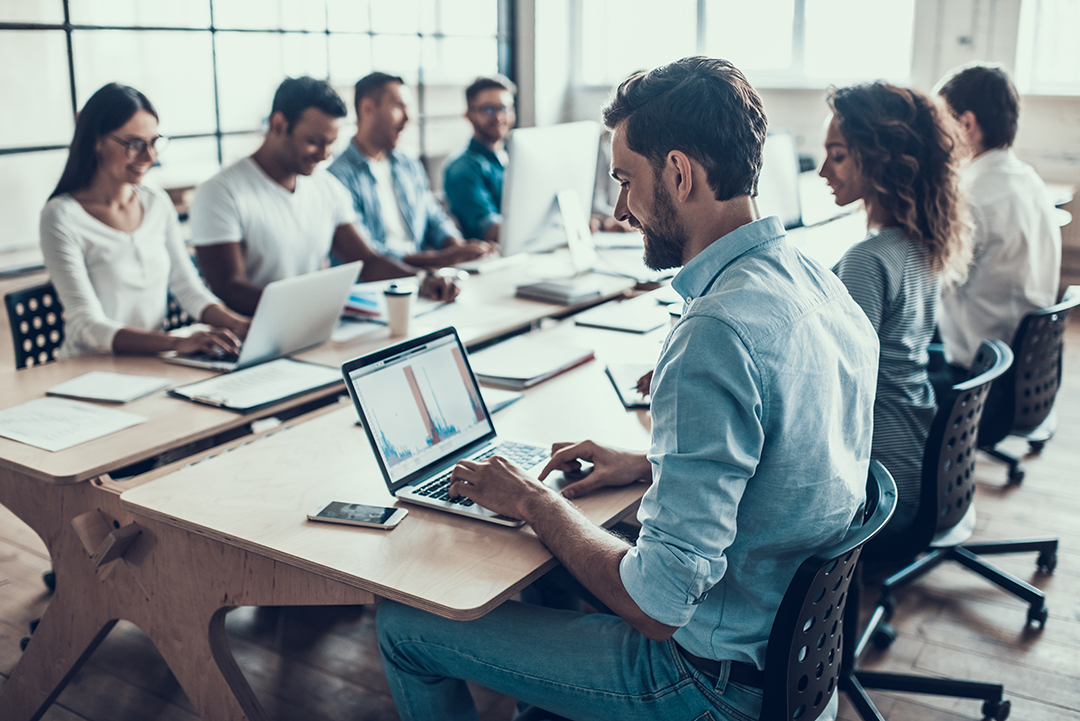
<point x="57" y="423"/>
<point x="108" y="387"/>
<point x="524" y="361"/>
<point x="257" y="386"/>
<point x="637" y="315"/>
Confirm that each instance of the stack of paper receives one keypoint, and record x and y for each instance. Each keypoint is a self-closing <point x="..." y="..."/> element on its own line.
<point x="108" y="387"/>
<point x="638" y="315"/>
<point x="568" y="293"/>
<point x="525" y="361"/>
<point x="57" y="423"/>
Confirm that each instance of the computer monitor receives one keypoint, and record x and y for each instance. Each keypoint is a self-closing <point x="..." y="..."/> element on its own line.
<point x="543" y="163"/>
<point x="778" y="184"/>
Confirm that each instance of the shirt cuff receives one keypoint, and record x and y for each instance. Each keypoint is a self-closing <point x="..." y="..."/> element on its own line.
<point x="655" y="587"/>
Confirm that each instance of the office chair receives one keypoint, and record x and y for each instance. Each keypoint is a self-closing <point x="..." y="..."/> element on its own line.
<point x="1022" y="400"/>
<point x="805" y="659"/>
<point x="37" y="324"/>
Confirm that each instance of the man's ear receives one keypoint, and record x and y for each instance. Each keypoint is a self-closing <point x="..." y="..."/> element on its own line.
<point x="279" y="125"/>
<point x="682" y="171"/>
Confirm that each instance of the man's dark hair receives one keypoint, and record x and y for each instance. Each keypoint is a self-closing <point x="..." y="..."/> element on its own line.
<point x="986" y="91"/>
<point x="701" y="106"/>
<point x="483" y="83"/>
<point x="295" y="95"/>
<point x="372" y="84"/>
<point x="107" y="110"/>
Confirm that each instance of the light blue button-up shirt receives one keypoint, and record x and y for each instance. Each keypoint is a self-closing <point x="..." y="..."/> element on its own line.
<point x="762" y="415"/>
<point x="425" y="220"/>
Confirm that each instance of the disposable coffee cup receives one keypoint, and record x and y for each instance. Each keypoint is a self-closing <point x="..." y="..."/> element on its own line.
<point x="399" y="307"/>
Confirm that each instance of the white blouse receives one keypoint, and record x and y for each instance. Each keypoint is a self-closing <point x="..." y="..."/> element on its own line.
<point x="107" y="279"/>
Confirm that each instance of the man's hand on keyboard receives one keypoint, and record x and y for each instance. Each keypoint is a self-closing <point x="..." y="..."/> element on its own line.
<point x="611" y="467"/>
<point x="497" y="485"/>
<point x="216" y="341"/>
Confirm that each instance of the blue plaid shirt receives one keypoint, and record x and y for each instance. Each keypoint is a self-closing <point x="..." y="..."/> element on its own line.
<point x="473" y="182"/>
<point x="425" y="220"/>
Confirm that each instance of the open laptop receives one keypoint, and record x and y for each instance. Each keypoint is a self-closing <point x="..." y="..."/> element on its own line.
<point x="422" y="409"/>
<point x="292" y="314"/>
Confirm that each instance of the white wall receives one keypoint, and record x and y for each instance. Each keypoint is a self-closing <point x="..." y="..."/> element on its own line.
<point x="947" y="33"/>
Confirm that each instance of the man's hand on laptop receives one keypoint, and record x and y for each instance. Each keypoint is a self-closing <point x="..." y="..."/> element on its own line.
<point x="464" y="251"/>
<point x="611" y="467"/>
<point x="497" y="485"/>
<point x="213" y="342"/>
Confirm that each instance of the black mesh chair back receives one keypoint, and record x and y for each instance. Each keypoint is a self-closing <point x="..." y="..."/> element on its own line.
<point x="175" y="316"/>
<point x="1024" y="397"/>
<point x="37" y="324"/>
<point x="803" y="658"/>
<point x="949" y="460"/>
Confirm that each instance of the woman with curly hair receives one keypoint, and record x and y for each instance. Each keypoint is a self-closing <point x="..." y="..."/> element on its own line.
<point x="892" y="148"/>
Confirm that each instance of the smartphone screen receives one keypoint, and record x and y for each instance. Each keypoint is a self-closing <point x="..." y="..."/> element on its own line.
<point x="359" y="514"/>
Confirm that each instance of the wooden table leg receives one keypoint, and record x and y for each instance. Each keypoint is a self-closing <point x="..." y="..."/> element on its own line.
<point x="174" y="585"/>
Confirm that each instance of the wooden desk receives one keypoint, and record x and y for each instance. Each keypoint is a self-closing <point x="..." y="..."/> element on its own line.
<point x="109" y="566"/>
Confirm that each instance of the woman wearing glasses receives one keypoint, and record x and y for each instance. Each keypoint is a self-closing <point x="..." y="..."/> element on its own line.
<point x="892" y="149"/>
<point x="112" y="246"/>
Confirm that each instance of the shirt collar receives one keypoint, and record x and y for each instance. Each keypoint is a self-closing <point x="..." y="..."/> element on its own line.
<point x="985" y="163"/>
<point x="475" y="146"/>
<point x="357" y="156"/>
<point x="697" y="275"/>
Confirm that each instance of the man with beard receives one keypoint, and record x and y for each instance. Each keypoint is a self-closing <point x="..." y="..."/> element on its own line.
<point x="473" y="179"/>
<point x="275" y="214"/>
<point x="762" y="407"/>
<point x="390" y="190"/>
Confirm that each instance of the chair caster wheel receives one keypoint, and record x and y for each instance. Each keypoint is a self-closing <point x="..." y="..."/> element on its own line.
<point x="49" y="577"/>
<point x="884" y="636"/>
<point x="1038" y="616"/>
<point x="996" y="710"/>
<point x="24" y="643"/>
<point x="34" y="625"/>
<point x="1035" y="447"/>
<point x="1016" y="477"/>
<point x="1046" y="563"/>
<point x="888" y="606"/>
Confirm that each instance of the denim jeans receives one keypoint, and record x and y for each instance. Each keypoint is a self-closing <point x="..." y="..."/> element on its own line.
<point x="591" y="667"/>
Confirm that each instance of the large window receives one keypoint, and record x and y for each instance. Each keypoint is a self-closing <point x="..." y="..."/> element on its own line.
<point x="779" y="43"/>
<point x="1048" y="47"/>
<point x="211" y="66"/>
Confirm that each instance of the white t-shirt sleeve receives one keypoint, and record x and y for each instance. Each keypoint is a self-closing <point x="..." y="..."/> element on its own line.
<point x="343" y="209"/>
<point x="85" y="323"/>
<point x="215" y="214"/>
<point x="184" y="282"/>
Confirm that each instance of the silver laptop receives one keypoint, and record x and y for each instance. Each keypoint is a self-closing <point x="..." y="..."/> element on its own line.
<point x="292" y="314"/>
<point x="423" y="412"/>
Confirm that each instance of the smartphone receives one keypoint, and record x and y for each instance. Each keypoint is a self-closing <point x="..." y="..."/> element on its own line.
<point x="357" y="514"/>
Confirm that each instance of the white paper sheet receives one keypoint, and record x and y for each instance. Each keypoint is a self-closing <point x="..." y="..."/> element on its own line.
<point x="58" y="423"/>
<point x="108" y="387"/>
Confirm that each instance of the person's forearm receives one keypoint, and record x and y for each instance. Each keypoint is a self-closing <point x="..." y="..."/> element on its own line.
<point x="239" y="295"/>
<point x="428" y="259"/>
<point x="129" y="340"/>
<point x="379" y="267"/>
<point x="592" y="555"/>
<point x="221" y="317"/>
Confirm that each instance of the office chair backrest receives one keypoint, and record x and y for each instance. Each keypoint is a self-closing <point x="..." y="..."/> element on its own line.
<point x="1037" y="370"/>
<point x="37" y="324"/>
<point x="803" y="658"/>
<point x="949" y="459"/>
<point x="175" y="316"/>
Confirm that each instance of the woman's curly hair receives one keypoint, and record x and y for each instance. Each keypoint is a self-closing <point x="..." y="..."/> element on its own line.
<point x="903" y="144"/>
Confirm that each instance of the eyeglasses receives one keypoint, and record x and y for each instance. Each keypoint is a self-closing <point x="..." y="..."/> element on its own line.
<point x="137" y="146"/>
<point x="493" y="110"/>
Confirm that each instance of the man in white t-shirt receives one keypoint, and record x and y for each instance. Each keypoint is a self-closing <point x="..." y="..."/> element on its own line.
<point x="275" y="214"/>
<point x="390" y="190"/>
<point x="1017" y="241"/>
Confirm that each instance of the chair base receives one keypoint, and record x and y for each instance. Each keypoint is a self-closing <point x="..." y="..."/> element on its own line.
<point x="991" y="694"/>
<point x="1036" y="438"/>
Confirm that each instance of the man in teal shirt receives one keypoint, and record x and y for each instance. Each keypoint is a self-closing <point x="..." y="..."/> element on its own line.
<point x="762" y="414"/>
<point x="473" y="179"/>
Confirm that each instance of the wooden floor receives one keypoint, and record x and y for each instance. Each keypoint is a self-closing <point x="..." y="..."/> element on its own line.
<point x="323" y="664"/>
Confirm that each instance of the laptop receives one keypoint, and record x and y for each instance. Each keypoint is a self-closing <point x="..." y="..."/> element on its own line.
<point x="293" y="314"/>
<point x="423" y="411"/>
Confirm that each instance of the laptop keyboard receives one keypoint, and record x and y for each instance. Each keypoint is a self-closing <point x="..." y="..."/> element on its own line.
<point x="520" y="453"/>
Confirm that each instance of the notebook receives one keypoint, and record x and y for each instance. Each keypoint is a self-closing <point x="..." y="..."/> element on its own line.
<point x="108" y="387"/>
<point x="637" y="315"/>
<point x="423" y="411"/>
<point x="293" y="314"/>
<point x="525" y="361"/>
<point x="625" y="376"/>
<point x="253" y="388"/>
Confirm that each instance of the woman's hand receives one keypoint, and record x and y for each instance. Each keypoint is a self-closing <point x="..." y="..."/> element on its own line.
<point x="213" y="341"/>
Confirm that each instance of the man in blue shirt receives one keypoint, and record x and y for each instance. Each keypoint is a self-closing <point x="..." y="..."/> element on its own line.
<point x="396" y="210"/>
<point x="473" y="179"/>
<point x="762" y="412"/>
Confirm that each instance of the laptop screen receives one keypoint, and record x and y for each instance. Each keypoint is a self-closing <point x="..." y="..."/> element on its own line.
<point x="419" y="403"/>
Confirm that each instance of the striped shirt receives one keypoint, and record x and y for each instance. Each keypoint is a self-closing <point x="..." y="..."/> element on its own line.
<point x="892" y="280"/>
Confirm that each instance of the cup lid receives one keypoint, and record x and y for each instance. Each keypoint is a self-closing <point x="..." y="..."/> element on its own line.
<point x="400" y="289"/>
